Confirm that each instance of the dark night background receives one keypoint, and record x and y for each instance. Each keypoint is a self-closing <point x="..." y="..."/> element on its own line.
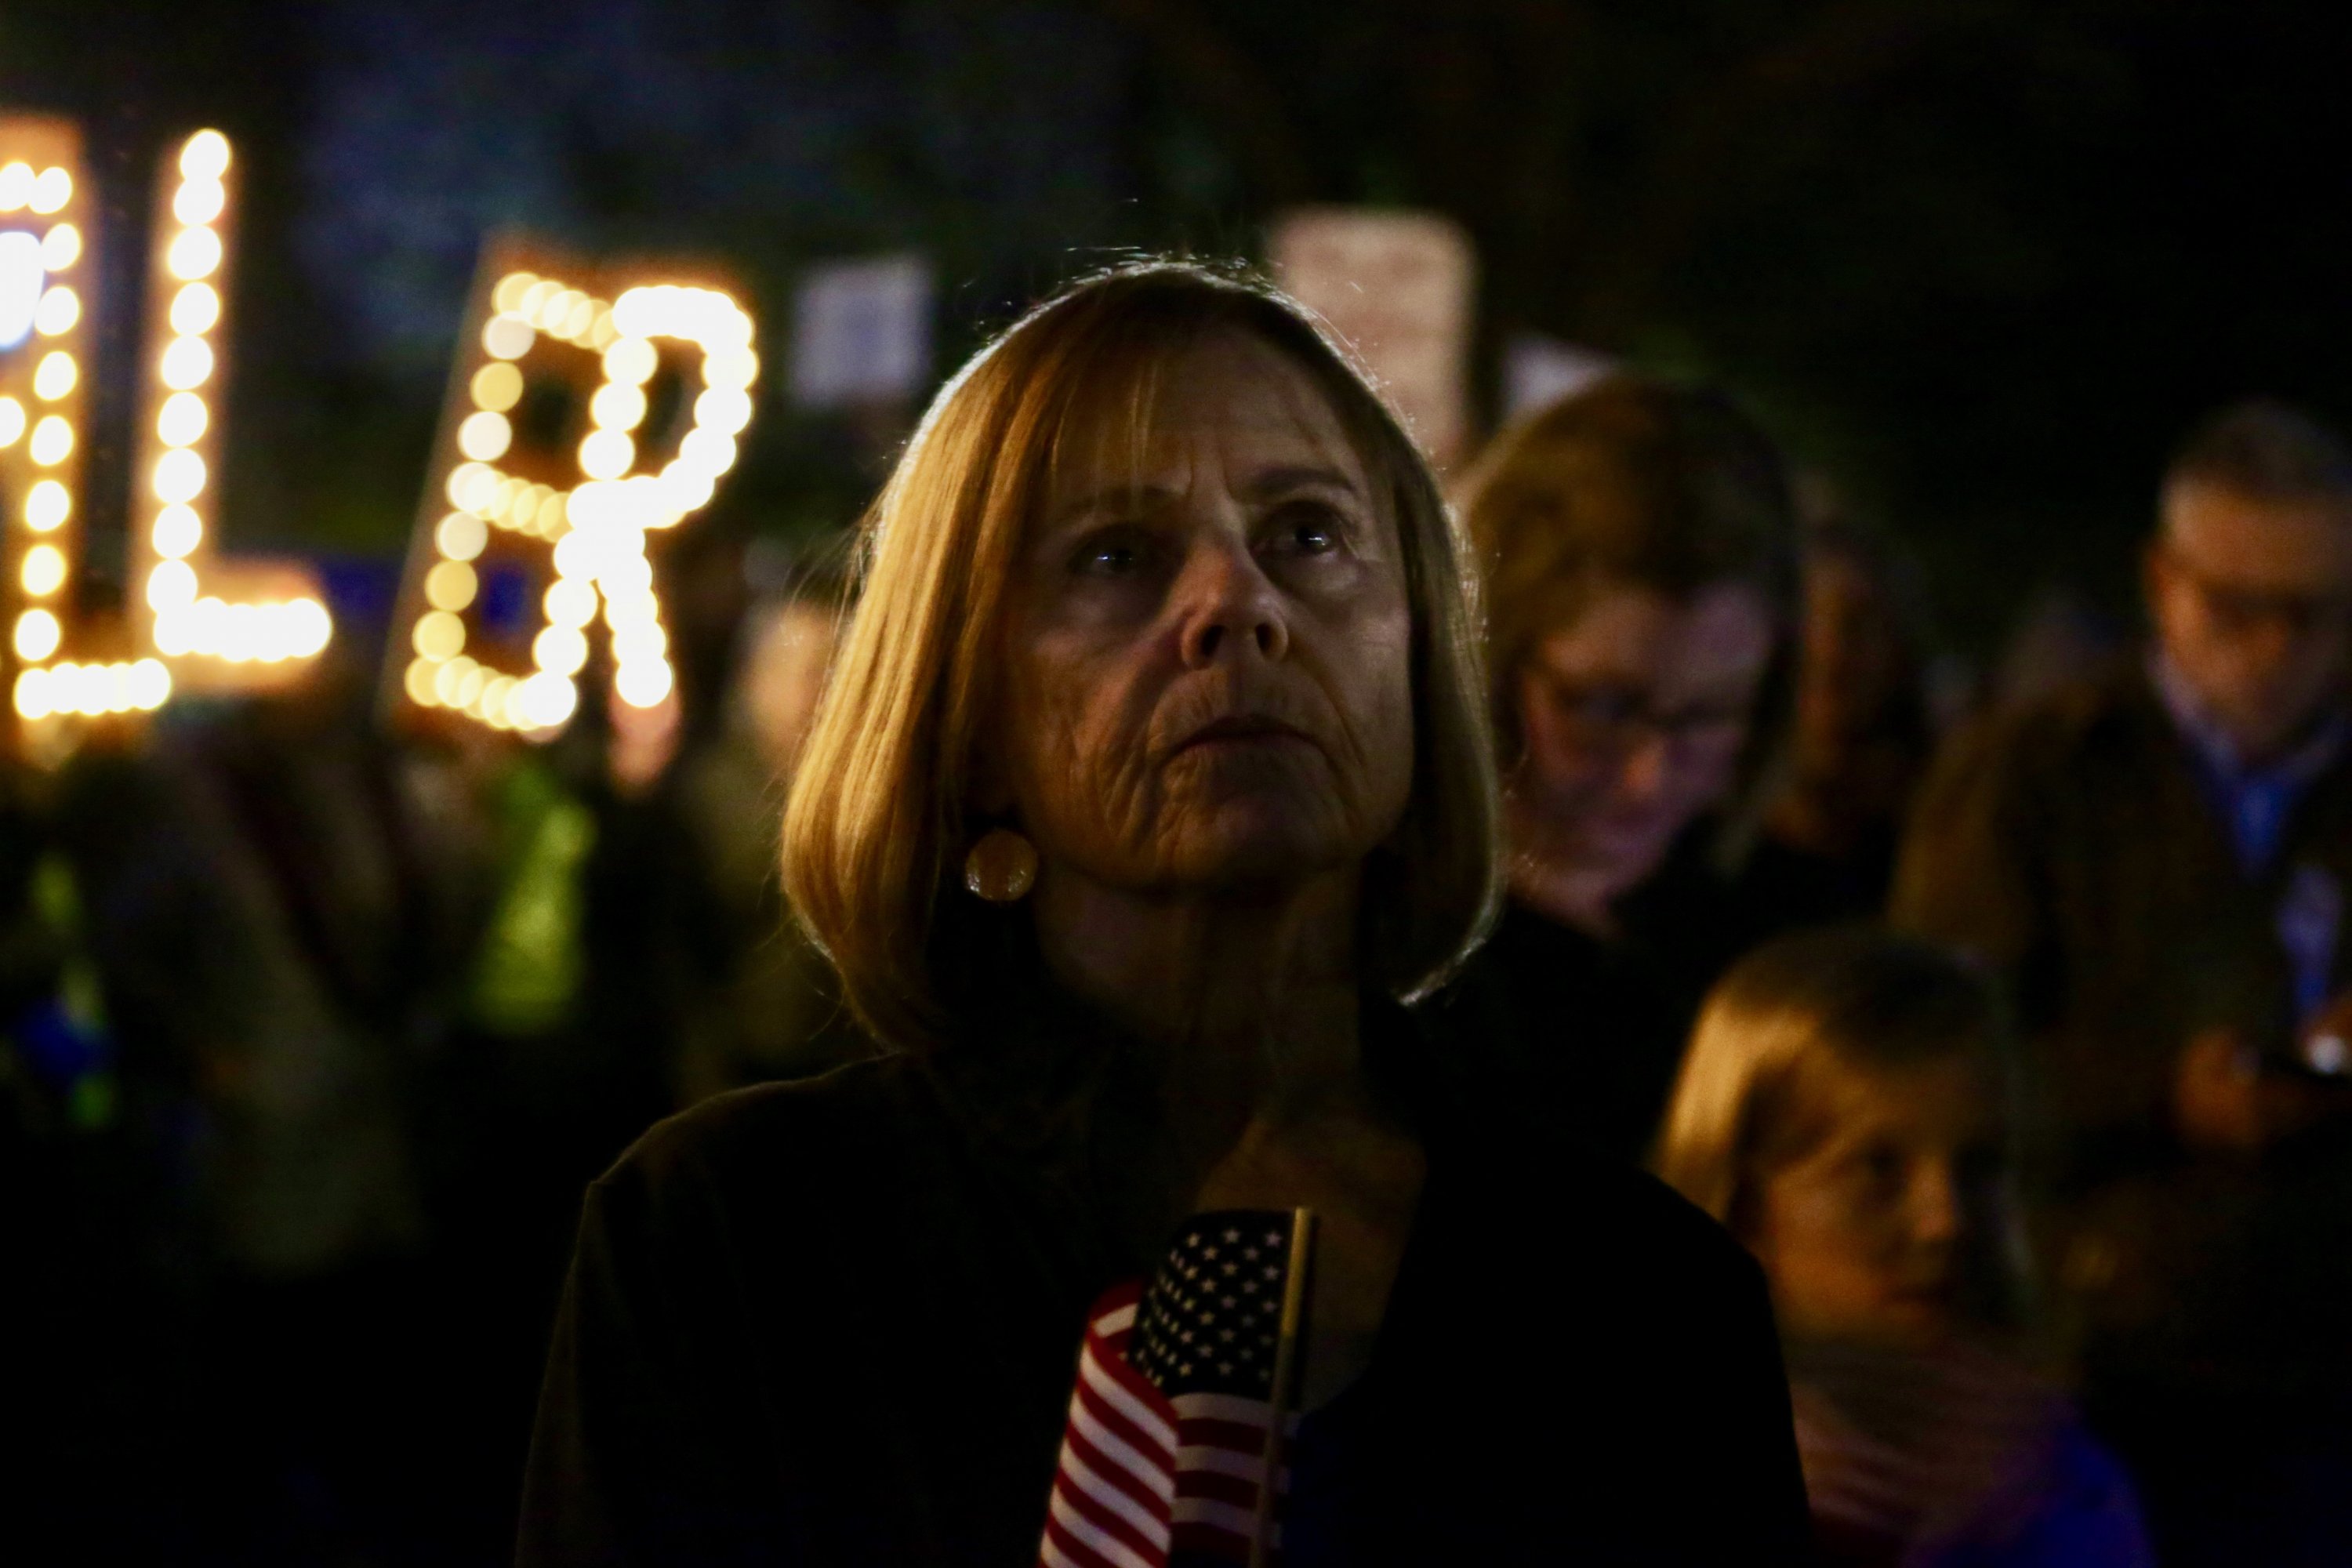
<point x="1979" y="261"/>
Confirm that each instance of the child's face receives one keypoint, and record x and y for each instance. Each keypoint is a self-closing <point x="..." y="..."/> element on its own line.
<point x="1865" y="1237"/>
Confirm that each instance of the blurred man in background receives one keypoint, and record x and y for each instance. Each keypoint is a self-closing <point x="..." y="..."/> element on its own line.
<point x="2157" y="859"/>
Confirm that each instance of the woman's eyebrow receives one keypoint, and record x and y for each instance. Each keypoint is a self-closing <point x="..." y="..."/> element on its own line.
<point x="1121" y="499"/>
<point x="1289" y="476"/>
<point x="1135" y="500"/>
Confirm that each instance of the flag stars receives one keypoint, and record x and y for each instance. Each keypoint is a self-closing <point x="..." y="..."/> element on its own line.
<point x="1207" y="1322"/>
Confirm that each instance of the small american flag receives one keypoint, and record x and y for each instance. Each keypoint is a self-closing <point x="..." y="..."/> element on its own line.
<point x="1166" y="1447"/>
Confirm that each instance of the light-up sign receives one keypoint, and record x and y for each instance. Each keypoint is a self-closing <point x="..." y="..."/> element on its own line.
<point x="588" y="408"/>
<point x="193" y="622"/>
<point x="43" y="254"/>
<point x="23" y="275"/>
<point x="224" y="625"/>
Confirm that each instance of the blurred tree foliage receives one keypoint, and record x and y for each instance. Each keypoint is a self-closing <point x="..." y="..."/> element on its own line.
<point x="1978" y="260"/>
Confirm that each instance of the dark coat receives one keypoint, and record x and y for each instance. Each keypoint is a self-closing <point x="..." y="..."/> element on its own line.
<point x="836" y="1322"/>
<point x="1592" y="1034"/>
<point x="2071" y="844"/>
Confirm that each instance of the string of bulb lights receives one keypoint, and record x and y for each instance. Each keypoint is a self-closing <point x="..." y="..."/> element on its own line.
<point x="42" y="391"/>
<point x="194" y="626"/>
<point x="179" y="434"/>
<point x="40" y="437"/>
<point x="597" y="529"/>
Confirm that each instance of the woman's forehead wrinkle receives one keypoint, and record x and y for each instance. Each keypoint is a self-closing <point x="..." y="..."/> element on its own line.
<point x="1117" y="490"/>
<point x="1236" y="417"/>
<point x="1117" y="467"/>
<point x="1285" y="409"/>
<point x="1245" y="388"/>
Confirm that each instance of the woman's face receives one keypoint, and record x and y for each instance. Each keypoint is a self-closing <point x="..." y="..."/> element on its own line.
<point x="1634" y="718"/>
<point x="1207" y="660"/>
<point x="1865" y="1237"/>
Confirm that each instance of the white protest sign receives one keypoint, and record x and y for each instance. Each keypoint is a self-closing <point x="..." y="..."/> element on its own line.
<point x="1538" y="372"/>
<point x="862" y="333"/>
<point x="1399" y="288"/>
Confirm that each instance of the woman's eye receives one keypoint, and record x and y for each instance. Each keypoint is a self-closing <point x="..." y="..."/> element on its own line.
<point x="1109" y="556"/>
<point x="1882" y="1168"/>
<point x="1305" y="530"/>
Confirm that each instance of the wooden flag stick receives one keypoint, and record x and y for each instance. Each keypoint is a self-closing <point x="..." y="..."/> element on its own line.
<point x="1287" y="1362"/>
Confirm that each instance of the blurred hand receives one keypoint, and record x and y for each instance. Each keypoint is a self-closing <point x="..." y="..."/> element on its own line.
<point x="2223" y="1102"/>
<point x="2217" y="1094"/>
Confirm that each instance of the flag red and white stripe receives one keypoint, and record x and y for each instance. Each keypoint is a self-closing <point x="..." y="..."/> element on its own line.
<point x="1147" y="1481"/>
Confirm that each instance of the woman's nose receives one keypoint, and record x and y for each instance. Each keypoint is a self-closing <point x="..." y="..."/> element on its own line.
<point x="1934" y="1206"/>
<point x="1229" y="606"/>
<point x="1642" y="775"/>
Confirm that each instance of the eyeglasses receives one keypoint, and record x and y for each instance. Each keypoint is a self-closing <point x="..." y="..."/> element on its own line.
<point x="2236" y="612"/>
<point x="1616" y="717"/>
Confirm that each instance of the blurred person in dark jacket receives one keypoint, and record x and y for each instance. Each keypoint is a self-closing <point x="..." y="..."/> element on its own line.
<point x="1639" y="548"/>
<point x="238" y="887"/>
<point x="2157" y="858"/>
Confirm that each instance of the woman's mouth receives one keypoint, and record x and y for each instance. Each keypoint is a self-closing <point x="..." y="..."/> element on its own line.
<point x="1243" y="730"/>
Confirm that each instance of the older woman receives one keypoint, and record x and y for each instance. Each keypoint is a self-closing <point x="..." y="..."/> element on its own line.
<point x="1639" y="547"/>
<point x="1151" y="780"/>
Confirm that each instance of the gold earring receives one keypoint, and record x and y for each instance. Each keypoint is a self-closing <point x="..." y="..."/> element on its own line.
<point x="1001" y="867"/>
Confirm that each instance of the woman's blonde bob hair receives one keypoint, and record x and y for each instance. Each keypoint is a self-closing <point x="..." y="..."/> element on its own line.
<point x="881" y="812"/>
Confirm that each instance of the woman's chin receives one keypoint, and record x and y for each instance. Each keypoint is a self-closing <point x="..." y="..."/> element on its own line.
<point x="1596" y="869"/>
<point x="1916" y="1320"/>
<point x="1256" y="844"/>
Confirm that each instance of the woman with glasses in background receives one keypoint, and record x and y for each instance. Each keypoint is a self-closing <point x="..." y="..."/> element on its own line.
<point x="1639" y="547"/>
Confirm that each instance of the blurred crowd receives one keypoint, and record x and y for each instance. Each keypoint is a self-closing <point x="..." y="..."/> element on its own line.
<point x="2004" y="1020"/>
<point x="317" y="1027"/>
